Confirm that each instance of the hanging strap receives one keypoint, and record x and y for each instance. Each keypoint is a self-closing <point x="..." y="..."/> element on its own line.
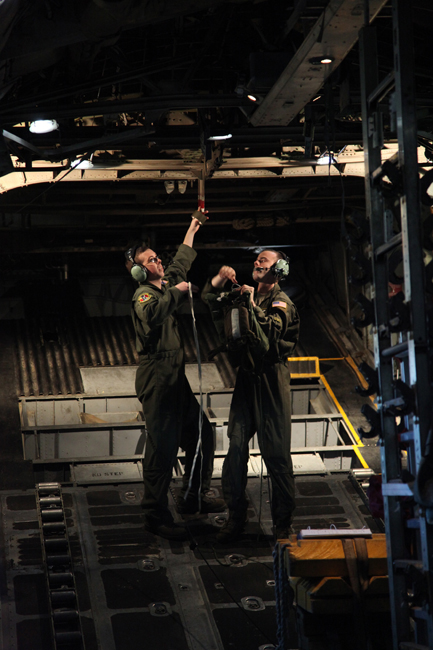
<point x="200" y="421"/>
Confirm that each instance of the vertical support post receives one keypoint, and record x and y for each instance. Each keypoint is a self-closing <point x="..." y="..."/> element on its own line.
<point x="414" y="278"/>
<point x="408" y="548"/>
<point x="390" y="455"/>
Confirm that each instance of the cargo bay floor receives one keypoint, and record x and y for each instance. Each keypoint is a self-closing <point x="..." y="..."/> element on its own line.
<point x="136" y="590"/>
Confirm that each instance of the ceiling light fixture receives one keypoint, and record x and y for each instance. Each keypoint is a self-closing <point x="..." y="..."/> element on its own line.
<point x="321" y="60"/>
<point x="43" y="126"/>
<point x="220" y="137"/>
<point x="254" y="97"/>
<point x="327" y="158"/>
<point x="81" y="164"/>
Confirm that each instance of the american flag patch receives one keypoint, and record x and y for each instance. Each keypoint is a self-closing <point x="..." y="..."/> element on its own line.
<point x="279" y="303"/>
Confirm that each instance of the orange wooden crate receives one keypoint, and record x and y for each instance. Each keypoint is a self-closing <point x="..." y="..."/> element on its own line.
<point x="325" y="557"/>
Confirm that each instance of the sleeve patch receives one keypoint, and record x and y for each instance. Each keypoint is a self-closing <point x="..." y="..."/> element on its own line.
<point x="145" y="297"/>
<point x="280" y="303"/>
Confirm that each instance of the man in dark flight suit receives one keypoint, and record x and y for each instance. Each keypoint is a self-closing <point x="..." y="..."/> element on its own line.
<point x="170" y="408"/>
<point x="261" y="402"/>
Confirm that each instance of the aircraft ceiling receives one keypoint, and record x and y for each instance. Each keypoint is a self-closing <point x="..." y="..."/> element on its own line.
<point x="140" y="90"/>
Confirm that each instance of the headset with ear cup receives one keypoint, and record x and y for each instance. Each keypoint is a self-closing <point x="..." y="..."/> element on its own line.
<point x="281" y="267"/>
<point x="138" y="272"/>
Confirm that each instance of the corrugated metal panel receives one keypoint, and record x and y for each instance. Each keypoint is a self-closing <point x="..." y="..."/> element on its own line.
<point x="51" y="351"/>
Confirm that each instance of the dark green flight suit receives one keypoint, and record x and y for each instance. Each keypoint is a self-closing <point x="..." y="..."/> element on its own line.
<point x="262" y="403"/>
<point x="170" y="408"/>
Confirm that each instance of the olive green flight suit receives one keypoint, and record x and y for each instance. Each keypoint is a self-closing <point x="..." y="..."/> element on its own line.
<point x="170" y="408"/>
<point x="262" y="403"/>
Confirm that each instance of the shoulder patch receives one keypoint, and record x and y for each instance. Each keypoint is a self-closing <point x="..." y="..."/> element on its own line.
<point x="280" y="303"/>
<point x="144" y="297"/>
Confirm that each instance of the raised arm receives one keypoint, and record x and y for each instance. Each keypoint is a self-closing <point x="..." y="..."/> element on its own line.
<point x="190" y="233"/>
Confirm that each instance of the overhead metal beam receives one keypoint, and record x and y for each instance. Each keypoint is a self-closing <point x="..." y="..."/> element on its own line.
<point x="129" y="211"/>
<point x="162" y="169"/>
<point x="188" y="136"/>
<point x="61" y="153"/>
<point x="333" y="35"/>
<point x="140" y="104"/>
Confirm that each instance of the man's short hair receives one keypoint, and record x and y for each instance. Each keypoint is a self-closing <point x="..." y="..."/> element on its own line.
<point x="140" y="249"/>
<point x="280" y="255"/>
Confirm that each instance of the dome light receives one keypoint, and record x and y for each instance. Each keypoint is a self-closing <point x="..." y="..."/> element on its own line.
<point x="326" y="159"/>
<point x="82" y="164"/>
<point x="254" y="97"/>
<point x="43" y="126"/>
<point x="321" y="60"/>
<point x="220" y="137"/>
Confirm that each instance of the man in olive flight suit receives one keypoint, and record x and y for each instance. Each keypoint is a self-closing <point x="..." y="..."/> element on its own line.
<point x="170" y="408"/>
<point x="261" y="401"/>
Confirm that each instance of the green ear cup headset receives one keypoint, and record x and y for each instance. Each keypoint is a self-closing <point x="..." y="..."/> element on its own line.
<point x="138" y="272"/>
<point x="281" y="267"/>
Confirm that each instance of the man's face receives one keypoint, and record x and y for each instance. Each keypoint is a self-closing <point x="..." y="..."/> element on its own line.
<point x="149" y="259"/>
<point x="263" y="263"/>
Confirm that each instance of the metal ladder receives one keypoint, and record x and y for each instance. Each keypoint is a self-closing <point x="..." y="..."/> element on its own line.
<point x="401" y="343"/>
